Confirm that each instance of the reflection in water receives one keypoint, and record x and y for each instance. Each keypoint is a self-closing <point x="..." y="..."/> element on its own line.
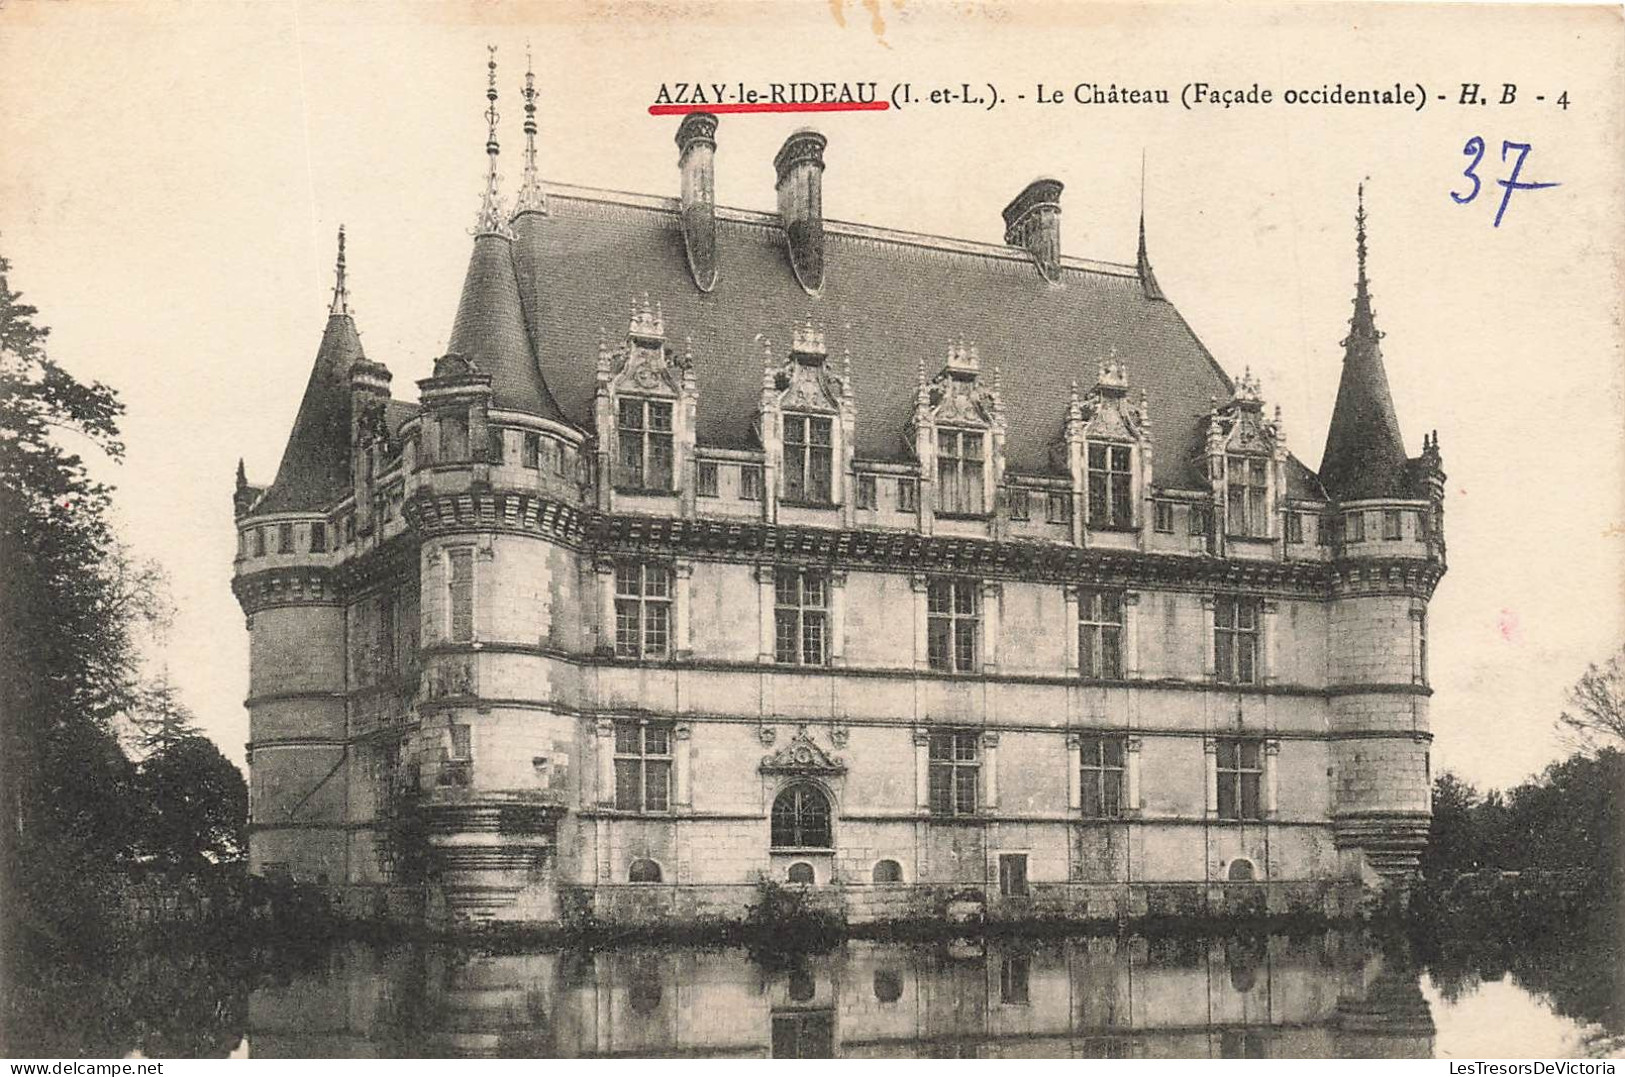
<point x="1322" y="996"/>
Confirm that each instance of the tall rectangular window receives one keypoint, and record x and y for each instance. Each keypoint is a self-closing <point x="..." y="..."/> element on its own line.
<point x="1392" y="530"/>
<point x="643" y="766"/>
<point x="349" y="528"/>
<point x="494" y="451"/>
<point x="642" y="610"/>
<point x="1422" y="646"/>
<point x="1199" y="520"/>
<point x="284" y="538"/>
<point x="1325" y="529"/>
<point x="1015" y="971"/>
<point x="1100" y="776"/>
<point x="706" y="479"/>
<point x="531" y="453"/>
<point x="1241" y="779"/>
<point x="866" y="492"/>
<point x="1235" y="639"/>
<point x="1020" y="504"/>
<point x="386" y="634"/>
<point x="800" y="616"/>
<point x="908" y="495"/>
<point x="1163" y="516"/>
<point x="645" y="444"/>
<point x="1111" y="486"/>
<point x="959" y="472"/>
<point x="807" y="459"/>
<point x="750" y="483"/>
<point x="1058" y="507"/>
<point x="1013" y="883"/>
<point x="1294" y="527"/>
<point x="1248" y="482"/>
<point x="954" y="771"/>
<point x="259" y="542"/>
<point x="453" y="438"/>
<point x="318" y="537"/>
<point x="953" y="624"/>
<point x="460" y="592"/>
<point x="1354" y="527"/>
<point x="1100" y="634"/>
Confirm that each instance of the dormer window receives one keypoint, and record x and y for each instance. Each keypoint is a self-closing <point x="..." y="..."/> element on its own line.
<point x="960" y="463"/>
<point x="808" y="456"/>
<point x="1248" y="506"/>
<point x="645" y="444"/>
<point x="1111" y="486"/>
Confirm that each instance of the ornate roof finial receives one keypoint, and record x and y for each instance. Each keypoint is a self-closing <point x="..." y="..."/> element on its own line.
<point x="531" y="198"/>
<point x="648" y="323"/>
<point x="1148" y="279"/>
<point x="808" y="342"/>
<point x="341" y="292"/>
<point x="492" y="220"/>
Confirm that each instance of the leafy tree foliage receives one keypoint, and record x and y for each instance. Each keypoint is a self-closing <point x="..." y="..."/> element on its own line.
<point x="196" y="805"/>
<point x="1597" y="706"/>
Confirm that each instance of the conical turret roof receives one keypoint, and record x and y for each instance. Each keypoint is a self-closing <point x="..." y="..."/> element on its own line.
<point x="1365" y="453"/>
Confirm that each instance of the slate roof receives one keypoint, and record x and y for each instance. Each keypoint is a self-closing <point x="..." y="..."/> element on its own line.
<point x="489" y="329"/>
<point x="315" y="468"/>
<point x="890" y="298"/>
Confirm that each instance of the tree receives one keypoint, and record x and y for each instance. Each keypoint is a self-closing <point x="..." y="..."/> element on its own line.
<point x="1597" y="700"/>
<point x="196" y="805"/>
<point x="1454" y="847"/>
<point x="159" y="718"/>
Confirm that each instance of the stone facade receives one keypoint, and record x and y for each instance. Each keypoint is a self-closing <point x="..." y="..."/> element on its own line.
<point x="663" y="635"/>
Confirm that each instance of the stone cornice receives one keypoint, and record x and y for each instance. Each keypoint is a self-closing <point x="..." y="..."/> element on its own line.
<point x="297" y="585"/>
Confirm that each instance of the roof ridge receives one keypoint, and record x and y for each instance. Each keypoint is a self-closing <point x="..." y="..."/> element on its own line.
<point x="833" y="226"/>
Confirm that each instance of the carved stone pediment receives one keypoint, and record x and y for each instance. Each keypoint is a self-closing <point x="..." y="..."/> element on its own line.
<point x="1239" y="425"/>
<point x="644" y="365"/>
<point x="800" y="755"/>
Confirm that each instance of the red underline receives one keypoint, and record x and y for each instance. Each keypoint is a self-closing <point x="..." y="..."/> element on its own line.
<point x="815" y="106"/>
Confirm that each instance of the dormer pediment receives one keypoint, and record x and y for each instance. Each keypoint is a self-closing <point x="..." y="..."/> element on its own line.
<point x="802" y="756"/>
<point x="805" y="382"/>
<point x="1239" y="426"/>
<point x="644" y="365"/>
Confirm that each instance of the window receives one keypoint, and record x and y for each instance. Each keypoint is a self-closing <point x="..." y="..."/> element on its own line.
<point x="800" y="617"/>
<point x="1240" y="871"/>
<point x="1354" y="527"/>
<point x="1020" y="508"/>
<point x="1100" y="634"/>
<point x="259" y="542"/>
<point x="1422" y="646"/>
<point x="531" y="454"/>
<point x="643" y="766"/>
<point x="1248" y="482"/>
<point x="801" y="819"/>
<point x="462" y="742"/>
<point x="1163" y="516"/>
<point x="460" y="592"/>
<point x="457" y="769"/>
<point x="959" y="472"/>
<point x="318" y="538"/>
<point x="645" y="444"/>
<point x="888" y="986"/>
<point x="284" y="538"/>
<point x="1016" y="970"/>
<point x="643" y="871"/>
<point x="888" y="871"/>
<point x="1013" y="874"/>
<point x="386" y="633"/>
<point x="954" y="770"/>
<point x="801" y="872"/>
<point x="1391" y="528"/>
<point x="1100" y="784"/>
<point x="866" y="492"/>
<point x="1058" y="508"/>
<point x="1242" y="1043"/>
<point x="349" y="529"/>
<point x="453" y="438"/>
<point x="750" y="483"/>
<point x="1235" y="639"/>
<point x="642" y="610"/>
<point x="1241" y="778"/>
<point x="494" y="453"/>
<point x="1325" y="525"/>
<point x="804" y="1035"/>
<point x="706" y="486"/>
<point x="1110" y="486"/>
<point x="807" y="455"/>
<point x="952" y="625"/>
<point x="1294" y="527"/>
<point x="1199" y="520"/>
<point x="908" y="495"/>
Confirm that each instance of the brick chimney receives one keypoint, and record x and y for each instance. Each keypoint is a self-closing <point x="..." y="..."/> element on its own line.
<point x="1032" y="221"/>
<point x="696" y="153"/>
<point x="800" y="168"/>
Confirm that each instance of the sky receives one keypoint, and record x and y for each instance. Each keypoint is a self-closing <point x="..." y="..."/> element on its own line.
<point x="174" y="174"/>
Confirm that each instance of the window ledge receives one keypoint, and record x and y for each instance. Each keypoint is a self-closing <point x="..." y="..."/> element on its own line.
<point x="963" y="515"/>
<point x="1115" y="527"/>
<point x="800" y="850"/>
<point x="1235" y="537"/>
<point x="645" y="491"/>
<point x="799" y="504"/>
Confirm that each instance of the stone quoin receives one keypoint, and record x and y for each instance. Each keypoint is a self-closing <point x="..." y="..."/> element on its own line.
<point x="920" y="574"/>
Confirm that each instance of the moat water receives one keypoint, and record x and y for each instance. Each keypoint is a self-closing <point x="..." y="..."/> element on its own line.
<point x="1332" y="994"/>
<point x="1319" y="996"/>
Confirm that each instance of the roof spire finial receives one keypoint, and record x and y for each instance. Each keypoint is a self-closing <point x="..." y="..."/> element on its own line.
<point x="1142" y="262"/>
<point x="492" y="220"/>
<point x="531" y="198"/>
<point x="341" y="292"/>
<point x="1364" y="321"/>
